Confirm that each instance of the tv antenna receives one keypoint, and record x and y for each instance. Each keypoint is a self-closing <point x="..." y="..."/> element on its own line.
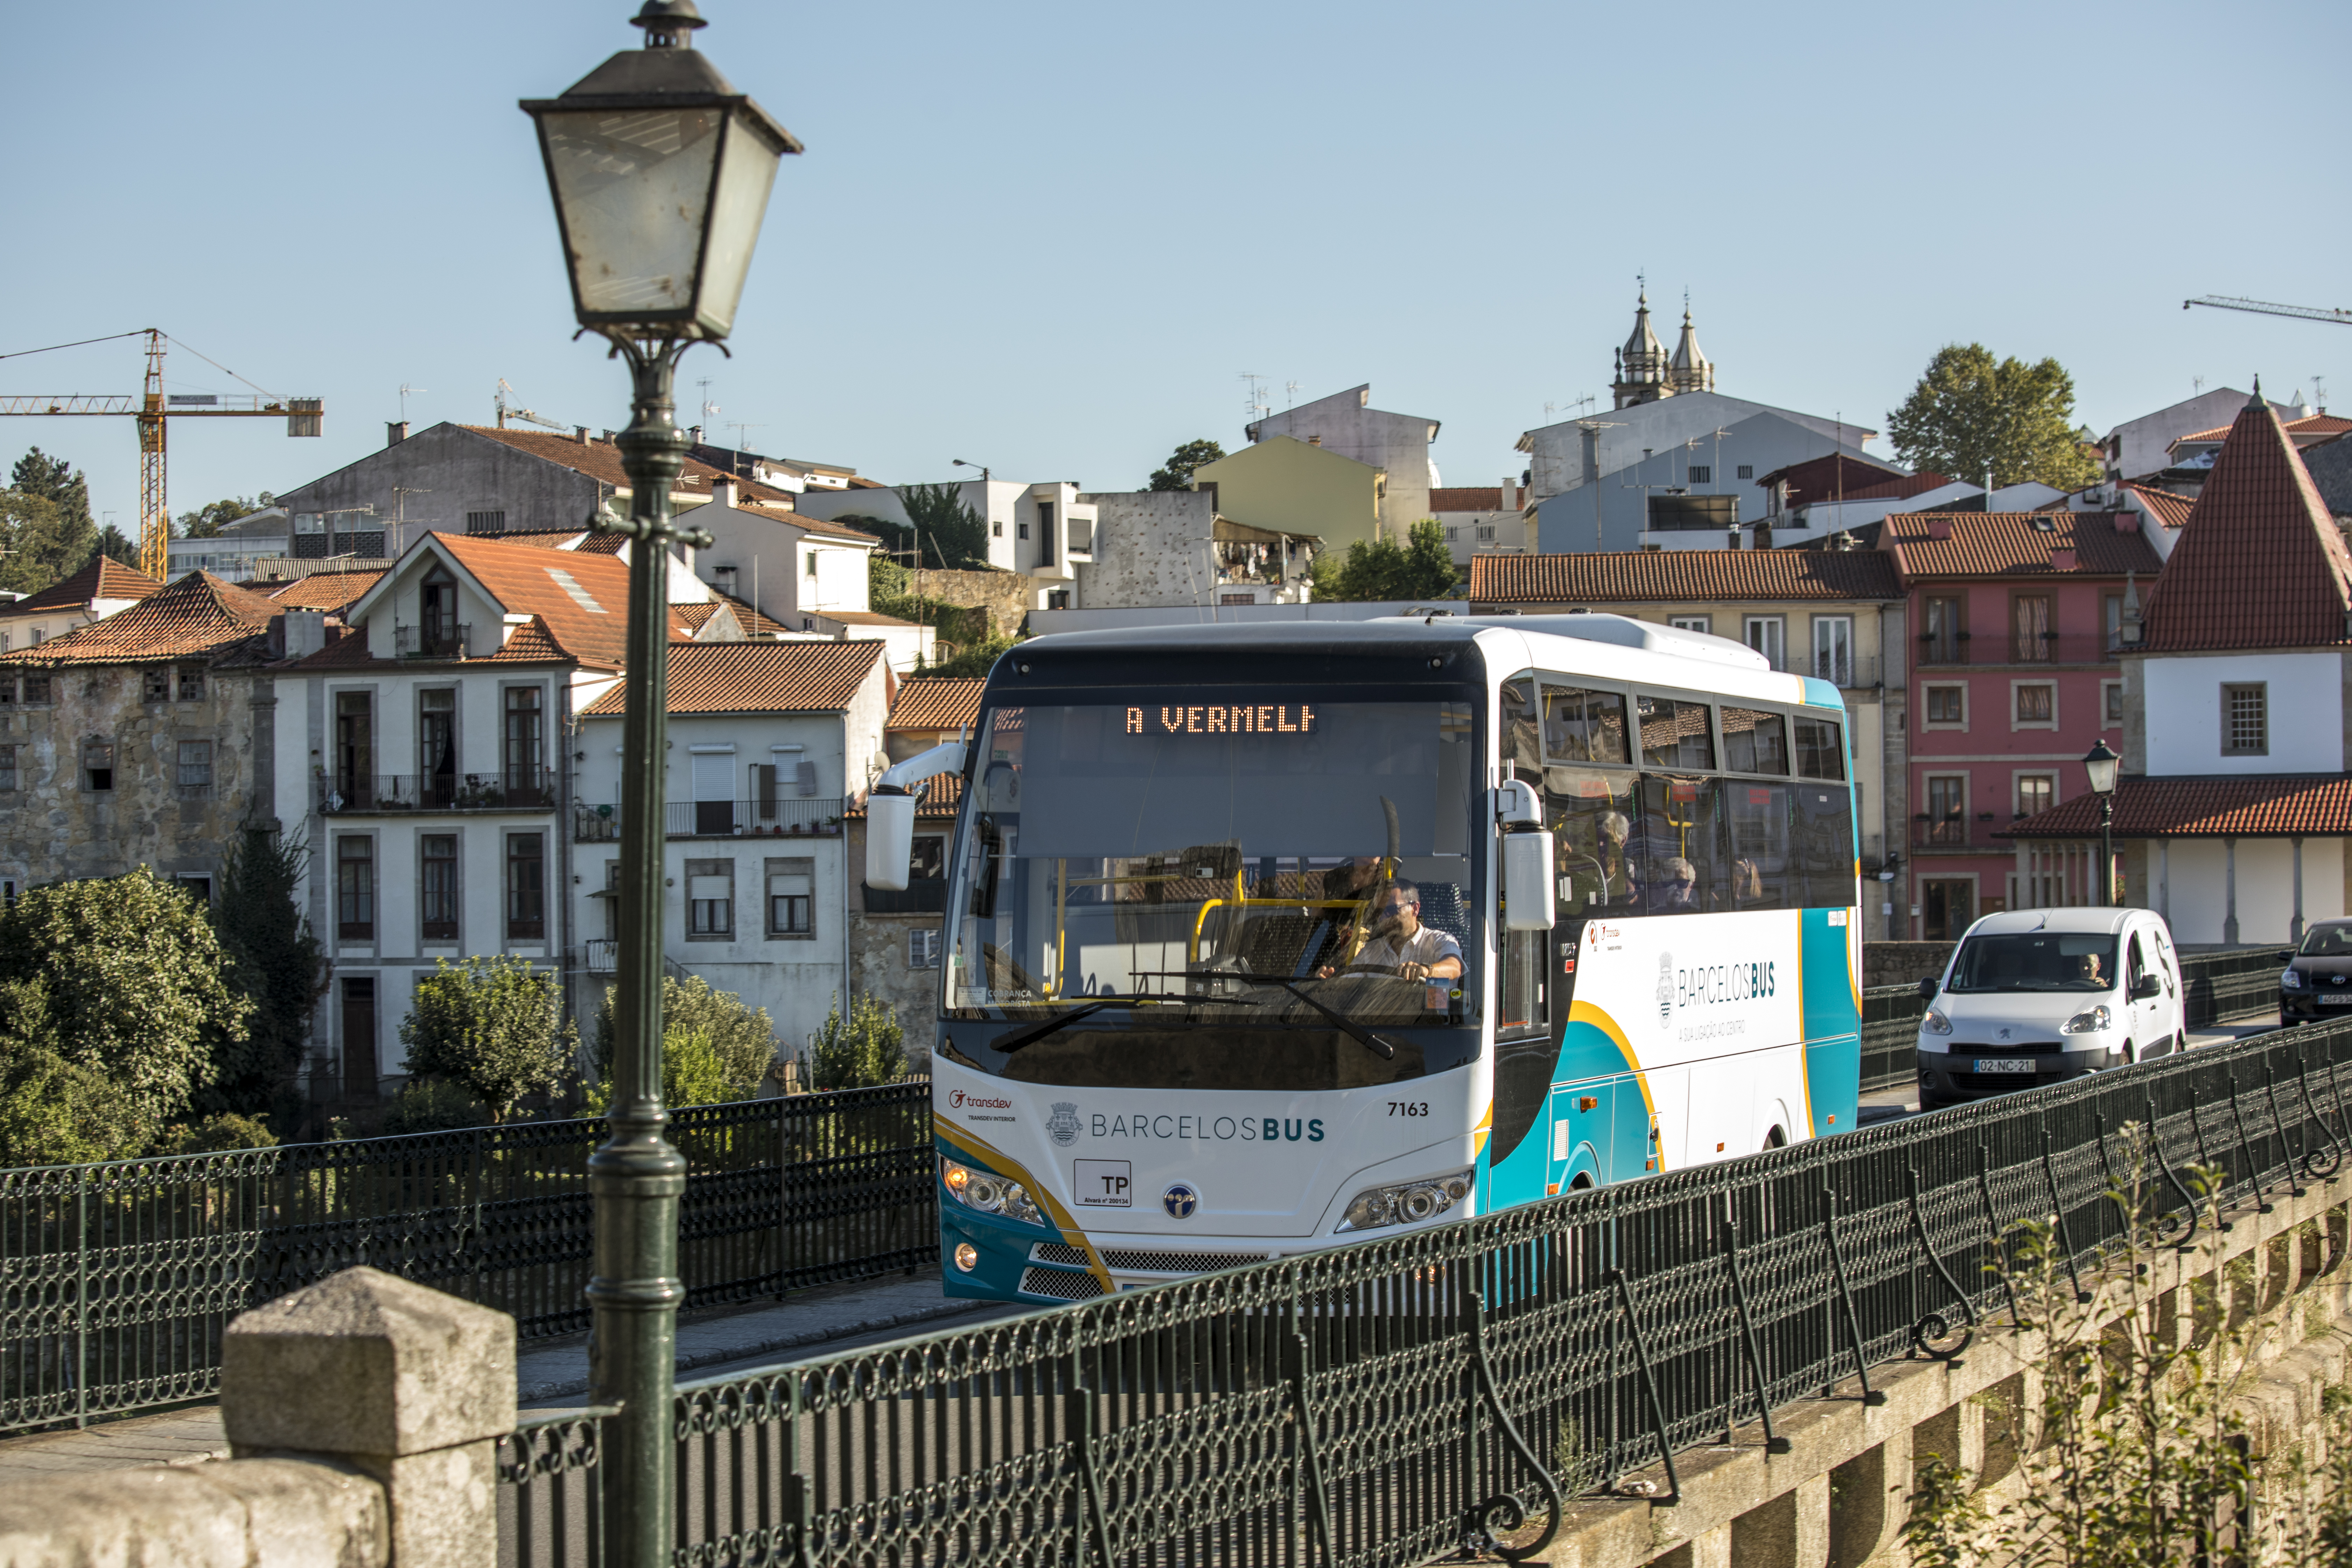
<point x="708" y="407"/>
<point x="405" y="390"/>
<point x="1258" y="407"/>
<point x="740" y="426"/>
<point x="1289" y="395"/>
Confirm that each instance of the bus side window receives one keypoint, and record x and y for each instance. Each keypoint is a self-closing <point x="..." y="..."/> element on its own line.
<point x="1765" y="874"/>
<point x="1820" y="748"/>
<point x="1522" y="743"/>
<point x="1755" y="742"/>
<point x="1590" y="814"/>
<point x="1822" y="826"/>
<point x="1675" y="734"/>
<point x="1686" y="868"/>
<point x="1522" y="990"/>
<point x="1584" y="726"/>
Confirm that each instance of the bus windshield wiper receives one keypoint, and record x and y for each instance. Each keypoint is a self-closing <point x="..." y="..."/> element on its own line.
<point x="1015" y="1040"/>
<point x="1363" y="1037"/>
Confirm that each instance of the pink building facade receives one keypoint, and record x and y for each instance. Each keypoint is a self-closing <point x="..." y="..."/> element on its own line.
<point x="2015" y="620"/>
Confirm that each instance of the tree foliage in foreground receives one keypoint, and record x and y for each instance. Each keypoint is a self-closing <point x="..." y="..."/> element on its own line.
<point x="494" y="1027"/>
<point x="740" y="1038"/>
<point x="859" y="1048"/>
<point x="122" y="982"/>
<point x="1184" y="463"/>
<point x="1382" y="569"/>
<point x="1971" y="413"/>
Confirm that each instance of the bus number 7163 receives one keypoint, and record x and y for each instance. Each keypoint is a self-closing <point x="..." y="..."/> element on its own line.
<point x="1408" y="1108"/>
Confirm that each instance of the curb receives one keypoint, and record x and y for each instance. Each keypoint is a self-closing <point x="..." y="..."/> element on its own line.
<point x="530" y="1394"/>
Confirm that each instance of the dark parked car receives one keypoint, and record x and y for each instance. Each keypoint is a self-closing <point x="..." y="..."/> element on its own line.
<point x="2318" y="977"/>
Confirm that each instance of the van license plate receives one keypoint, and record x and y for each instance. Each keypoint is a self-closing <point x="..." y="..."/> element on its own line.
<point x="2005" y="1064"/>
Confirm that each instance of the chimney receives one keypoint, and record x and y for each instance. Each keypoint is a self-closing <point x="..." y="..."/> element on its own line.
<point x="302" y="633"/>
<point x="395" y="431"/>
<point x="1315" y="440"/>
<point x="2062" y="558"/>
<point x="722" y="493"/>
<point x="1763" y="536"/>
<point x="1506" y="495"/>
<point x="1939" y="525"/>
<point x="580" y="434"/>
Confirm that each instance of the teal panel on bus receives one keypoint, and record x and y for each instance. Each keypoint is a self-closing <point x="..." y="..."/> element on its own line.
<point x="1832" y="1022"/>
<point x="1822" y="694"/>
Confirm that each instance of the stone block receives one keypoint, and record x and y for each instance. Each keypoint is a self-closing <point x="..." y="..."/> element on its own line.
<point x="445" y="1506"/>
<point x="367" y="1363"/>
<point x="282" y="1514"/>
<point x="1791" y="1530"/>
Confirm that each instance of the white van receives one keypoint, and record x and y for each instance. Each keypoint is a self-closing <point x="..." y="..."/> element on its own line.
<point x="2039" y="996"/>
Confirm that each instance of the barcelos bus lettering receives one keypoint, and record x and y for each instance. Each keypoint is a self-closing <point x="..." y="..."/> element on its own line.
<point x="1227" y="718"/>
<point x="1181" y="1127"/>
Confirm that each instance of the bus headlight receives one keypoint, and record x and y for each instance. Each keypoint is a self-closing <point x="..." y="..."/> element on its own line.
<point x="988" y="1193"/>
<point x="1376" y="1208"/>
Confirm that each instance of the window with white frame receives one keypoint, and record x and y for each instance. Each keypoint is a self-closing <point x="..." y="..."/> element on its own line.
<point x="2037" y="704"/>
<point x="1692" y="623"/>
<point x="1947" y="705"/>
<point x="2246" y="718"/>
<point x="710" y="898"/>
<point x="923" y="949"/>
<point x="1769" y="634"/>
<point x="1833" y="649"/>
<point x="196" y="765"/>
<point x="2036" y="793"/>
<point x="2111" y="703"/>
<point x="792" y="897"/>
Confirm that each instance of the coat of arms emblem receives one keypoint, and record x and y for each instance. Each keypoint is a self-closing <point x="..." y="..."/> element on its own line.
<point x="1064" y="1123"/>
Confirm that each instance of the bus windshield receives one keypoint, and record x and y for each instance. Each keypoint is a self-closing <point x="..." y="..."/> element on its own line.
<point x="1218" y="864"/>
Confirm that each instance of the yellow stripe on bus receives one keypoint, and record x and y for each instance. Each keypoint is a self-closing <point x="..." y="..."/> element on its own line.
<point x="979" y="1148"/>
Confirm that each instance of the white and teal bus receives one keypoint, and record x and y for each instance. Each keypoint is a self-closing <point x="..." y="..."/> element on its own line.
<point x="1267" y="938"/>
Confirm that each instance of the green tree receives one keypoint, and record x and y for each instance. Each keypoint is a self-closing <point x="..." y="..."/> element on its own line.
<point x="208" y="520"/>
<point x="946" y="533"/>
<point x="115" y="545"/>
<point x="741" y="1039"/>
<point x="1183" y="462"/>
<point x="1969" y="415"/>
<point x="54" y="480"/>
<point x="863" y="1047"/>
<point x="1380" y="569"/>
<point x="276" y="961"/>
<point x="54" y="1111"/>
<point x="697" y="1069"/>
<point x="972" y="662"/>
<point x="431" y="1105"/>
<point x="39" y="544"/>
<point x="123" y="978"/>
<point x="492" y="1026"/>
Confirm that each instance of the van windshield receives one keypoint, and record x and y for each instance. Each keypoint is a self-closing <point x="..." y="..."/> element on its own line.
<point x="2036" y="960"/>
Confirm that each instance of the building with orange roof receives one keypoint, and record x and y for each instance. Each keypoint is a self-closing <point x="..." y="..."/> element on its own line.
<point x="772" y="745"/>
<point x="2231" y="816"/>
<point x="104" y="588"/>
<point x="137" y="740"/>
<point x="2015" y="622"/>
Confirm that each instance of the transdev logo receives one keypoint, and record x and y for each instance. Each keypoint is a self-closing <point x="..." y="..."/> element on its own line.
<point x="959" y="1100"/>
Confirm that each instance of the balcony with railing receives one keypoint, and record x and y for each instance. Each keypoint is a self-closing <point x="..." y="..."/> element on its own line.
<point x="518" y="789"/>
<point x="1972" y="830"/>
<point x="437" y="639"/>
<point x="2014" y="648"/>
<point x="776" y="818"/>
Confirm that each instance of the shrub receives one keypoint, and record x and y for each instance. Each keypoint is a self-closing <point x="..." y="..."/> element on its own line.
<point x="218" y="1134"/>
<point x="743" y="1038"/>
<point x="54" y="1111"/>
<point x="865" y="1047"/>
<point x="492" y="1026"/>
<point x="431" y="1105"/>
<point x="696" y="1070"/>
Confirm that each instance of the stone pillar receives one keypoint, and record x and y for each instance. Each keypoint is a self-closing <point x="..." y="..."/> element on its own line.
<point x="2229" y="886"/>
<point x="1867" y="1500"/>
<point x="1791" y="1530"/>
<point x="400" y="1382"/>
<point x="1708" y="1549"/>
<point x="2164" y="878"/>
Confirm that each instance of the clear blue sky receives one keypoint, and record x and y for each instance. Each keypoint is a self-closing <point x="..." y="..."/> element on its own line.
<point x="1049" y="236"/>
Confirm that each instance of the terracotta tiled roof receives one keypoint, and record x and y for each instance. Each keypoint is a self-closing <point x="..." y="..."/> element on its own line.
<point x="533" y="644"/>
<point x="323" y="590"/>
<point x="104" y="578"/>
<point x="694" y="617"/>
<point x="936" y="702"/>
<point x="2312" y="424"/>
<point x="347" y="649"/>
<point x="758" y="678"/>
<point x="541" y="538"/>
<point x="1468" y="498"/>
<point x="200" y="616"/>
<point x="2259" y="564"/>
<point x="2014" y="545"/>
<point x="583" y="598"/>
<point x="753" y="623"/>
<point x="1643" y="576"/>
<point x="2203" y="808"/>
<point x="1903" y="486"/>
<point x="2168" y="509"/>
<point x="602" y="544"/>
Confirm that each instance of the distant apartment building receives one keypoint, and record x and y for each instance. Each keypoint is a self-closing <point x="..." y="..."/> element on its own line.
<point x="1487" y="519"/>
<point x="1043" y="532"/>
<point x="1346" y="424"/>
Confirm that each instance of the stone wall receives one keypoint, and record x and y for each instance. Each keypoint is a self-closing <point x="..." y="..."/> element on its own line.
<point x="54" y="827"/>
<point x="1902" y="962"/>
<point x="878" y="950"/>
<point x="1151" y="548"/>
<point x="1003" y="594"/>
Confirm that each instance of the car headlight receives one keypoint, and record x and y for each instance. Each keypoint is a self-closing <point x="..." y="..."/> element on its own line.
<point x="2090" y="1021"/>
<point x="1935" y="1023"/>
<point x="989" y="1193"/>
<point x="1376" y="1208"/>
<point x="2290" y="980"/>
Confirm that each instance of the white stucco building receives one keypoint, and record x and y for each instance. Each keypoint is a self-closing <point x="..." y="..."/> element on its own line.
<point x="2234" y="810"/>
<point x="1396" y="444"/>
<point x="1043" y="530"/>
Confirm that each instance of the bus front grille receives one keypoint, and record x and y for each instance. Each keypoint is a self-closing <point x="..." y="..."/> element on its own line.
<point x="1060" y="1284"/>
<point x="1133" y="1259"/>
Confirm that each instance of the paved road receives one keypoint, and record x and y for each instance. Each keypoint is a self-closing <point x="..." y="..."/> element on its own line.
<point x="1895" y="1104"/>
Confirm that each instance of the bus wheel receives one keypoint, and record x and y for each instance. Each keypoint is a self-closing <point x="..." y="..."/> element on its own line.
<point x="1776" y="1138"/>
<point x="2131" y="1053"/>
<point x="1583" y="1181"/>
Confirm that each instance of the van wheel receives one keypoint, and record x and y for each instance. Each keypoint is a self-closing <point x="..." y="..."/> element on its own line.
<point x="2179" y="1043"/>
<point x="1776" y="1138"/>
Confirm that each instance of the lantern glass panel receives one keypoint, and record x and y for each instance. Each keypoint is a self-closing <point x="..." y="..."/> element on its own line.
<point x="633" y="186"/>
<point x="746" y="173"/>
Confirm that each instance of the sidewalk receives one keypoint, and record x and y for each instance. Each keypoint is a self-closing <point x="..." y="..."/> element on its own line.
<point x="547" y="1371"/>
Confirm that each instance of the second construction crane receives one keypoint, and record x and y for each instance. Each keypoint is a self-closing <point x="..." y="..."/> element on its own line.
<point x="2264" y="307"/>
<point x="152" y="409"/>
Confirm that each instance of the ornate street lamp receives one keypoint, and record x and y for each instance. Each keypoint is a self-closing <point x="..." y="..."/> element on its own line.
<point x="660" y="171"/>
<point x="2101" y="764"/>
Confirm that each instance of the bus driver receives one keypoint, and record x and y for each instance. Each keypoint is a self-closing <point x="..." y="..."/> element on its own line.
<point x="1402" y="945"/>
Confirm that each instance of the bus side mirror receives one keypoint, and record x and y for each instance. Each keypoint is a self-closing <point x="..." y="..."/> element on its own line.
<point x="889" y="840"/>
<point x="1526" y="881"/>
<point x="1927" y="988"/>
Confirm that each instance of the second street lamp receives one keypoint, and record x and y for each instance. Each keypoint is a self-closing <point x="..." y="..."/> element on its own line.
<point x="660" y="171"/>
<point x="2101" y="764"/>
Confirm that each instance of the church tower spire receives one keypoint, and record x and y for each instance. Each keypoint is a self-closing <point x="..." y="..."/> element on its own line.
<point x="1692" y="370"/>
<point x="1643" y="370"/>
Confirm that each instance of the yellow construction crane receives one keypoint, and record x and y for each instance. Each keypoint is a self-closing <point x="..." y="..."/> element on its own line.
<point x="151" y="409"/>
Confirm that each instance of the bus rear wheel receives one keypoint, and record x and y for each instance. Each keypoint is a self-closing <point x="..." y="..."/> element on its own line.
<point x="1776" y="1138"/>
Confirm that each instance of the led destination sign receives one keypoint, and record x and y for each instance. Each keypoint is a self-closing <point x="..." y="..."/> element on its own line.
<point x="1221" y="719"/>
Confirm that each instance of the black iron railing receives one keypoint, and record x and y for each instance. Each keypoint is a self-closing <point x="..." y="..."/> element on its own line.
<point x="1385" y="1402"/>
<point x="786" y="816"/>
<point x="515" y="789"/>
<point x="116" y="1279"/>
